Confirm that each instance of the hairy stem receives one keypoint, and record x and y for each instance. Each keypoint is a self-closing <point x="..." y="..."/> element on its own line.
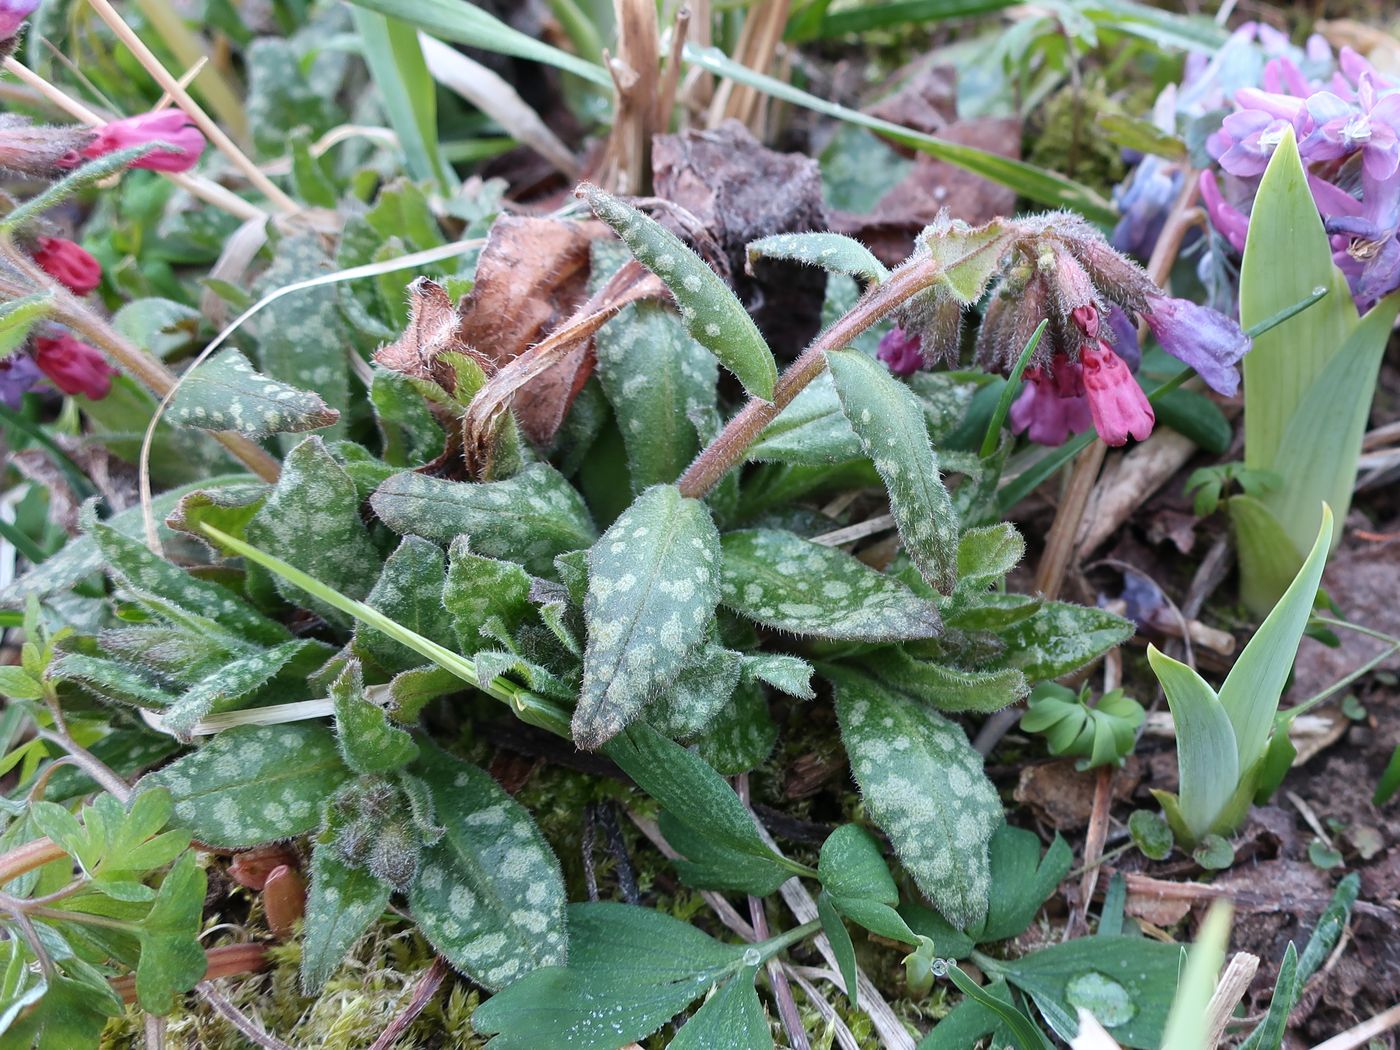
<point x="722" y="454"/>
<point x="26" y="857"/>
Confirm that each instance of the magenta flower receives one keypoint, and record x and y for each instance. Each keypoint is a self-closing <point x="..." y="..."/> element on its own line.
<point x="73" y="366"/>
<point x="70" y="264"/>
<point x="1119" y="407"/>
<point x="1052" y="406"/>
<point x="12" y="15"/>
<point x="901" y="351"/>
<point x="1229" y="220"/>
<point x="169" y="127"/>
<point x="1370" y="126"/>
<point x="18" y="373"/>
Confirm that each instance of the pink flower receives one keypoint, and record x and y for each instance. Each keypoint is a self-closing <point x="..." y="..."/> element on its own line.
<point x="1229" y="220"/>
<point x="73" y="366"/>
<point x="169" y="127"/>
<point x="69" y="264"/>
<point x="901" y="351"/>
<point x="12" y="15"/>
<point x="1117" y="404"/>
<point x="1052" y="406"/>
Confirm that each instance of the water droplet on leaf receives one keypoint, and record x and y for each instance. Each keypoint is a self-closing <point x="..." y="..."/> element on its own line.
<point x="1103" y="997"/>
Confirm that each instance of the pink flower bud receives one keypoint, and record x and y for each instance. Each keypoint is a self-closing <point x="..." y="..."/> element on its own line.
<point x="73" y="366"/>
<point x="168" y="126"/>
<point x="901" y="351"/>
<point x="1116" y="402"/>
<point x="68" y="263"/>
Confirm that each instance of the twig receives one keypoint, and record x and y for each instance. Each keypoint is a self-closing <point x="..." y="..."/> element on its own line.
<point x="186" y="102"/>
<point x="859" y="531"/>
<point x="423" y="994"/>
<point x="666" y="98"/>
<point x="155" y="1032"/>
<point x="251" y="1030"/>
<point x="1093" y="847"/>
<point x="1365" y="1031"/>
<point x="843" y="1034"/>
<point x="1234" y="982"/>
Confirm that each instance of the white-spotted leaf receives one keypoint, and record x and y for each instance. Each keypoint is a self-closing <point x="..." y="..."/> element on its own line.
<point x="923" y="784"/>
<point x="488" y="894"/>
<point x="227" y="393"/>
<point x="253" y="784"/>
<point x="483" y="595"/>
<point x="783" y="581"/>
<point x="409" y="592"/>
<point x="831" y="251"/>
<point x="889" y="420"/>
<point x="712" y="313"/>
<point x="528" y="518"/>
<point x="652" y="589"/>
<point x="368" y="741"/>
<point x="342" y="903"/>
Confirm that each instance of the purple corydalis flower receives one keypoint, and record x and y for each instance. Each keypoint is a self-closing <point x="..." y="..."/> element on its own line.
<point x="1229" y="220"/>
<point x="18" y="373"/>
<point x="1205" y="339"/>
<point x="1370" y="125"/>
<point x="901" y="351"/>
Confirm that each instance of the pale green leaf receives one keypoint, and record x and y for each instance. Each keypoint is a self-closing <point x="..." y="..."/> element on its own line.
<point x="226" y="393"/>
<point x="1207" y="753"/>
<point x="831" y="251"/>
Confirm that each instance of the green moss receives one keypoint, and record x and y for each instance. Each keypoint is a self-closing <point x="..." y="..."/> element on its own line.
<point x="1068" y="141"/>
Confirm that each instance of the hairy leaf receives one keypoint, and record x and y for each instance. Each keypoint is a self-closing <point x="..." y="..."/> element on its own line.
<point x="342" y="904"/>
<point x="410" y="592"/>
<point x="1061" y="637"/>
<point x="483" y="596"/>
<point x="831" y="251"/>
<point x="741" y="735"/>
<point x="368" y="742"/>
<point x="652" y="589"/>
<point x="227" y="393"/>
<point x="783" y="581"/>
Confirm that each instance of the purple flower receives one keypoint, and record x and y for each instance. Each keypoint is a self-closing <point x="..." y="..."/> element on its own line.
<point x="1052" y="407"/>
<point x="18" y="373"/>
<point x="1371" y="126"/>
<point x="901" y="351"/>
<point x="1144" y="201"/>
<point x="1229" y="220"/>
<point x="1247" y="139"/>
<point x="1198" y="336"/>
<point x="1371" y="254"/>
<point x="12" y="15"/>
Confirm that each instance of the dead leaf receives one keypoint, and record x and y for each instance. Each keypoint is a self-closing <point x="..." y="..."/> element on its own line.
<point x="1063" y="797"/>
<point x="927" y="101"/>
<point x="740" y="190"/>
<point x="431" y="332"/>
<point x="532" y="276"/>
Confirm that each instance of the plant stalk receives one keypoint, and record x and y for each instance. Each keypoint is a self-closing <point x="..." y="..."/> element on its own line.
<point x="728" y="449"/>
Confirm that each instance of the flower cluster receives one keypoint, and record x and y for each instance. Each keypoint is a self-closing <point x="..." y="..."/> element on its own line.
<point x="1348" y="134"/>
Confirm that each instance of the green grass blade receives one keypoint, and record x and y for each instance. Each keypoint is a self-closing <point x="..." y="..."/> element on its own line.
<point x="1189" y="1019"/>
<point x="465" y="23"/>
<point x="865" y="17"/>
<point x="410" y="97"/>
<point x="1008" y="392"/>
<point x="1044" y="187"/>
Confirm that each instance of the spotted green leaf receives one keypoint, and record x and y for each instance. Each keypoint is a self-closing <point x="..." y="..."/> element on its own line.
<point x="986" y="555"/>
<point x="741" y="736"/>
<point x="342" y="903"/>
<point x="889" y="421"/>
<point x="1059" y="638"/>
<point x="810" y="430"/>
<point x="712" y="313"/>
<point x="369" y="743"/>
<point x="791" y="674"/>
<point x="236" y="681"/>
<point x="409" y="592"/>
<point x="697" y="694"/>
<point x="661" y="384"/>
<point x="302" y="338"/>
<point x="831" y="251"/>
<point x="253" y="784"/>
<point x="483" y="597"/>
<point x="652" y="589"/>
<point x="113" y="680"/>
<point x="227" y="393"/>
<point x="488" y="894"/>
<point x="947" y="688"/>
<point x="783" y="581"/>
<point x="411" y="433"/>
<point x="528" y="518"/>
<point x="312" y="520"/>
<point x="131" y="563"/>
<point x="923" y="784"/>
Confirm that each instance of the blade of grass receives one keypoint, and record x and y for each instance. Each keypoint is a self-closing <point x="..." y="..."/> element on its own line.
<point x="1044" y="187"/>
<point x="528" y="707"/>
<point x="879" y="16"/>
<point x="400" y="72"/>
<point x="1008" y="392"/>
<point x="465" y="23"/>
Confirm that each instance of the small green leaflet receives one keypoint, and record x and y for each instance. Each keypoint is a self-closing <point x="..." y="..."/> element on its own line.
<point x="707" y="865"/>
<point x="488" y="894"/>
<point x="368" y="742"/>
<point x="226" y="393"/>
<point x="712" y="314"/>
<point x="482" y="596"/>
<point x="172" y="959"/>
<point x="253" y="784"/>
<point x="889" y="421"/>
<point x="732" y="1018"/>
<point x="652" y="589"/>
<point x="811" y="430"/>
<point x="409" y="592"/>
<point x="529" y="518"/>
<point x="831" y="251"/>
<point x="923" y="784"/>
<point x="781" y="580"/>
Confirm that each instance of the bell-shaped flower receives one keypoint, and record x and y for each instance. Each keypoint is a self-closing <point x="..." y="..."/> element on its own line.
<point x="73" y="366"/>
<point x="1117" y="404"/>
<point x="70" y="264"/>
<point x="169" y="127"/>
